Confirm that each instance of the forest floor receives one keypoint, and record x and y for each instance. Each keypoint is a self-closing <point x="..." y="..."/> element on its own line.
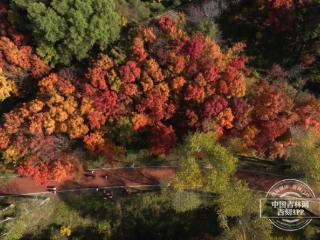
<point x="127" y="177"/>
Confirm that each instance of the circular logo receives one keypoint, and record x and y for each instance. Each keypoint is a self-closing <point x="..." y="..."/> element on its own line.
<point x="287" y="204"/>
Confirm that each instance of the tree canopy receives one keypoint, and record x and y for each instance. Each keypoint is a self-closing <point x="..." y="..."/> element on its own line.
<point x="304" y="155"/>
<point x="66" y="29"/>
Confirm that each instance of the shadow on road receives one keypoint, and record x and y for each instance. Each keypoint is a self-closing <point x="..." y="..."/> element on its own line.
<point x="139" y="216"/>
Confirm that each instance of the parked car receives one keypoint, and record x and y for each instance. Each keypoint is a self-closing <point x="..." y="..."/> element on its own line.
<point x="90" y="173"/>
<point x="107" y="194"/>
<point x="52" y="189"/>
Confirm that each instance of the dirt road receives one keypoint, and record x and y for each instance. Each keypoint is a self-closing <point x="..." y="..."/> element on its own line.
<point x="128" y="177"/>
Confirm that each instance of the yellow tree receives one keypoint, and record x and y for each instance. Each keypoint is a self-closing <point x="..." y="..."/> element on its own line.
<point x="304" y="154"/>
<point x="189" y="175"/>
<point x="7" y="87"/>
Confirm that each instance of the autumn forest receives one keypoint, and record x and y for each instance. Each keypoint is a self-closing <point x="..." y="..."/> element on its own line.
<point x="96" y="83"/>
